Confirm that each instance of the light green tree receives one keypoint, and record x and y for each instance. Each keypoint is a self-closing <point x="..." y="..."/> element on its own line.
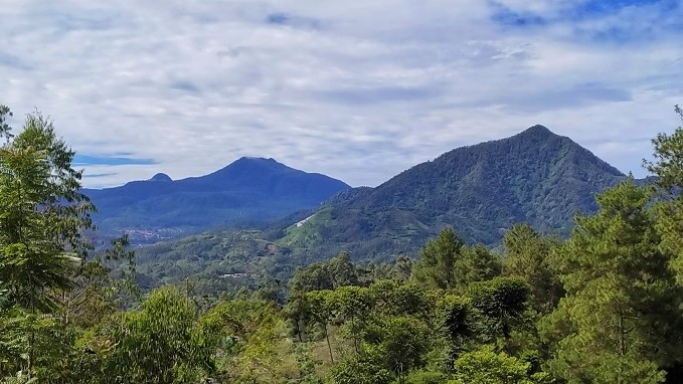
<point x="528" y="255"/>
<point x="485" y="366"/>
<point x="667" y="167"/>
<point x="159" y="343"/>
<point x="438" y="259"/>
<point x="43" y="217"/>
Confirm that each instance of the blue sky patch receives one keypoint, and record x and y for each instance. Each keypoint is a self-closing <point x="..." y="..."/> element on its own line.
<point x="80" y="160"/>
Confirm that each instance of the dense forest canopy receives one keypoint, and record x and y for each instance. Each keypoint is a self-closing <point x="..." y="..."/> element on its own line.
<point x="601" y="306"/>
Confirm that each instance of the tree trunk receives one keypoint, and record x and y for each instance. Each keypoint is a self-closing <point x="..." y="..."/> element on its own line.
<point x="622" y="349"/>
<point x="329" y="345"/>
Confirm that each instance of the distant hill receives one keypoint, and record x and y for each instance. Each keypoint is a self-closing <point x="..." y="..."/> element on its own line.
<point x="249" y="191"/>
<point x="480" y="190"/>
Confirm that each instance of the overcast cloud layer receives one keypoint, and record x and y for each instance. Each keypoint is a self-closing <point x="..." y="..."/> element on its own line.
<point x="358" y="90"/>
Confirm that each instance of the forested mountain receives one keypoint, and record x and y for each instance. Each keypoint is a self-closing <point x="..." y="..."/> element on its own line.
<point x="535" y="176"/>
<point x="248" y="191"/>
<point x="481" y="191"/>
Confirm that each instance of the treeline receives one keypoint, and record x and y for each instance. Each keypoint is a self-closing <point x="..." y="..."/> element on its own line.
<point x="603" y="306"/>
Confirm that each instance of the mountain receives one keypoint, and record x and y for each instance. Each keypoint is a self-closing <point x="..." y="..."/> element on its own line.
<point x="480" y="190"/>
<point x="249" y="191"/>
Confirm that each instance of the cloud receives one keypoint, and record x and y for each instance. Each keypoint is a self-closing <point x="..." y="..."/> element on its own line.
<point x="356" y="90"/>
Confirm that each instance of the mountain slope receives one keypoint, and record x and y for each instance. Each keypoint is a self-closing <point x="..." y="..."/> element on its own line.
<point x="247" y="192"/>
<point x="480" y="190"/>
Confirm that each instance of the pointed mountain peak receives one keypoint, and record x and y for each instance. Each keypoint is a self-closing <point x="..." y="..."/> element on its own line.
<point x="161" y="177"/>
<point x="538" y="131"/>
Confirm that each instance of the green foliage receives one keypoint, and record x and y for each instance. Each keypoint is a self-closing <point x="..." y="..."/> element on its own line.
<point x="42" y="217"/>
<point x="359" y="370"/>
<point x="402" y="343"/>
<point x="667" y="167"/>
<point x="438" y="259"/>
<point x="621" y="300"/>
<point x="485" y="366"/>
<point x="528" y="256"/>
<point x="454" y="321"/>
<point x="502" y="302"/>
<point x="426" y="377"/>
<point x="160" y="343"/>
<point x="477" y="264"/>
<point x="394" y="299"/>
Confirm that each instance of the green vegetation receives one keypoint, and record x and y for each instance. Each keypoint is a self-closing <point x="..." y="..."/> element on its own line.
<point x="602" y="306"/>
<point x="480" y="191"/>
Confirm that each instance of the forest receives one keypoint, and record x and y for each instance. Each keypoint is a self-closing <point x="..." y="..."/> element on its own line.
<point x="603" y="305"/>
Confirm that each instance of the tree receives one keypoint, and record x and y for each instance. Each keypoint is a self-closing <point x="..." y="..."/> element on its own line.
<point x="342" y="271"/>
<point x="359" y="370"/>
<point x="320" y="311"/>
<point x="619" y="320"/>
<point x="502" y="302"/>
<point x="315" y="277"/>
<point x="394" y="299"/>
<point x="160" y="343"/>
<point x="667" y="167"/>
<point x="43" y="219"/>
<point x="402" y="344"/>
<point x="352" y="306"/>
<point x="528" y="256"/>
<point x="476" y="264"/>
<point x="454" y="321"/>
<point x="402" y="269"/>
<point x="485" y="366"/>
<point x="438" y="258"/>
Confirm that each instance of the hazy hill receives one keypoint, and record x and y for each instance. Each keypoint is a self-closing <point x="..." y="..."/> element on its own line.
<point x="247" y="192"/>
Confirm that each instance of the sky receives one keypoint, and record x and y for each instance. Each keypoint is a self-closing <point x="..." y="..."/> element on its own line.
<point x="357" y="90"/>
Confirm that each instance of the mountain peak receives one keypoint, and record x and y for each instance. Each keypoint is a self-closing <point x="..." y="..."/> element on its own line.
<point x="253" y="164"/>
<point x="538" y="131"/>
<point x="161" y="177"/>
<point x="255" y="159"/>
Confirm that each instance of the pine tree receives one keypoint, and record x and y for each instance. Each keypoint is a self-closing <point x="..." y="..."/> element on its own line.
<point x="616" y="322"/>
<point x="438" y="258"/>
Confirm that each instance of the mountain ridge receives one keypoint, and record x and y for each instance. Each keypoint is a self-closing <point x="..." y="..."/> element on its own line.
<point x="247" y="191"/>
<point x="479" y="190"/>
<point x="492" y="185"/>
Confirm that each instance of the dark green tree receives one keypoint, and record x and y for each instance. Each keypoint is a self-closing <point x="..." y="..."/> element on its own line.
<point x="620" y="320"/>
<point x="502" y="303"/>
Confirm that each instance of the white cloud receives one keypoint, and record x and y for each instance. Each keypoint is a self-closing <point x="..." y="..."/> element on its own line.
<point x="356" y="90"/>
